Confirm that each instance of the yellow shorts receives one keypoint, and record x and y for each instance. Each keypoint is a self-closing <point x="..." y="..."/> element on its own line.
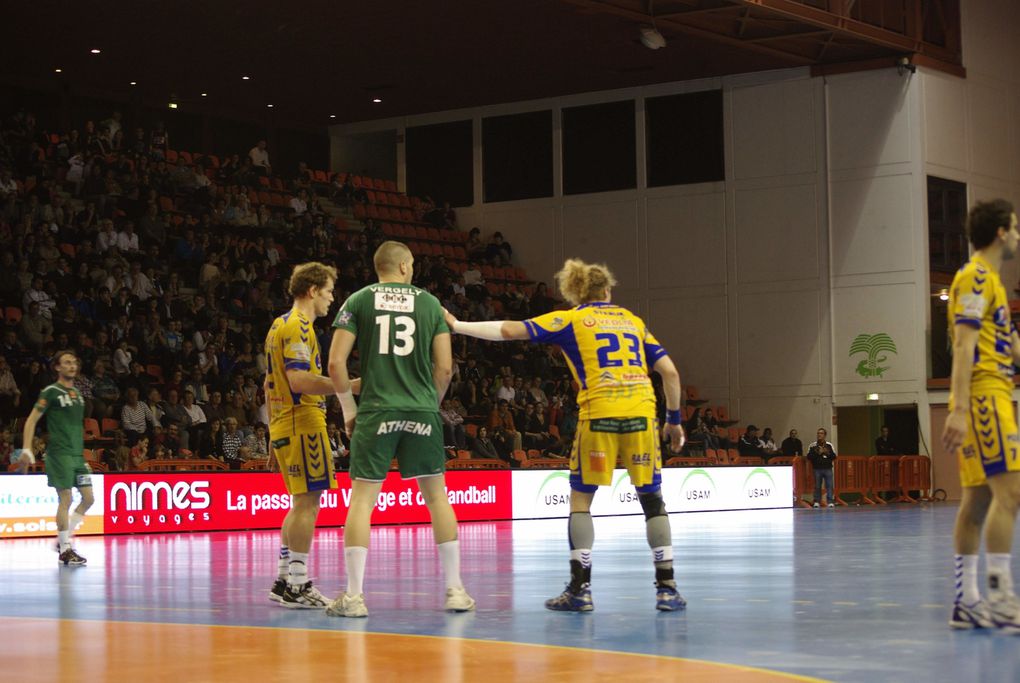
<point x="306" y="461"/>
<point x="602" y="444"/>
<point x="990" y="447"/>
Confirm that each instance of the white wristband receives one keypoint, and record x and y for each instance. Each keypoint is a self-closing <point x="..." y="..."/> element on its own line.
<point x="490" y="330"/>
<point x="347" y="405"/>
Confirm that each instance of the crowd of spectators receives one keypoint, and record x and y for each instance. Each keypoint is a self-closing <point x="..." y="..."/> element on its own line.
<point x="164" y="277"/>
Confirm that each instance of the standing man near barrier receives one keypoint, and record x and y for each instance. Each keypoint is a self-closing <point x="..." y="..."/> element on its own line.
<point x="610" y="352"/>
<point x="406" y="365"/>
<point x="295" y="393"/>
<point x="821" y="455"/>
<point x="64" y="408"/>
<point x="981" y="427"/>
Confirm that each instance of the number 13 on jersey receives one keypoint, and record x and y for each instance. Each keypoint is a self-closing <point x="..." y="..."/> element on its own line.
<point x="401" y="328"/>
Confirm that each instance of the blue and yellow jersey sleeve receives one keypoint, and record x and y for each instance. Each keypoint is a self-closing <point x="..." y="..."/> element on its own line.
<point x="977" y="299"/>
<point x="292" y="345"/>
<point x="609" y="351"/>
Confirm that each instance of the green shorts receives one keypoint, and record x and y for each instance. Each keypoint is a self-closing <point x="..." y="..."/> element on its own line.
<point x="414" y="439"/>
<point x="67" y="471"/>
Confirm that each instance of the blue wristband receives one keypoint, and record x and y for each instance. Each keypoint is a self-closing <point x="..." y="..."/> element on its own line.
<point x="673" y="417"/>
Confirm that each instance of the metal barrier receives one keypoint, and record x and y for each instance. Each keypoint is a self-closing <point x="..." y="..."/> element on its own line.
<point x="851" y="474"/>
<point x="885" y="476"/>
<point x="915" y="475"/>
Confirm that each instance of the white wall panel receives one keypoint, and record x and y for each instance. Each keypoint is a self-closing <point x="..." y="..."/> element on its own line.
<point x="778" y="339"/>
<point x="694" y="332"/>
<point x="773" y="129"/>
<point x="686" y="240"/>
<point x="776" y="233"/>
<point x="868" y="119"/>
<point x="889" y="309"/>
<point x="945" y="120"/>
<point x="872" y="225"/>
<point x="604" y="232"/>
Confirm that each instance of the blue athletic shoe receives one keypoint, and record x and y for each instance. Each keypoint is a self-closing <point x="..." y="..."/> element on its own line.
<point x="668" y="599"/>
<point x="569" y="601"/>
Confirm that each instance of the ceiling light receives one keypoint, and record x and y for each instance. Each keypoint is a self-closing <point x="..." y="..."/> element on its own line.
<point x="133" y="83"/>
<point x="270" y="106"/>
<point x="245" y="78"/>
<point x="377" y="100"/>
<point x="172" y="105"/>
<point x="651" y="38"/>
<point x="58" y="71"/>
<point x="332" y="116"/>
<point x="205" y="94"/>
<point x="944" y="295"/>
<point x="95" y="50"/>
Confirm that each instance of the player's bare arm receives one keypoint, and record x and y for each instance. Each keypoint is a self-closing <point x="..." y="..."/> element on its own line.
<point x="965" y="339"/>
<point x="339" y="352"/>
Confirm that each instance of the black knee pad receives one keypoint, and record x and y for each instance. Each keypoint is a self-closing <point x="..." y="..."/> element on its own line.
<point x="652" y="504"/>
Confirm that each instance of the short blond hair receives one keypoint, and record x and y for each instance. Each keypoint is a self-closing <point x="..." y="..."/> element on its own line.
<point x="389" y="256"/>
<point x="582" y="283"/>
<point x="308" y="275"/>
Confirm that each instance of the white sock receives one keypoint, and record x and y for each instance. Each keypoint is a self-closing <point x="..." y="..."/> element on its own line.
<point x="965" y="576"/>
<point x="65" y="540"/>
<point x="297" y="569"/>
<point x="449" y="557"/>
<point x="283" y="563"/>
<point x="582" y="555"/>
<point x="72" y="524"/>
<point x="1000" y="578"/>
<point x="355" y="557"/>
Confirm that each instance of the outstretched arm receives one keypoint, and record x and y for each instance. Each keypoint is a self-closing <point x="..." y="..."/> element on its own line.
<point x="490" y="330"/>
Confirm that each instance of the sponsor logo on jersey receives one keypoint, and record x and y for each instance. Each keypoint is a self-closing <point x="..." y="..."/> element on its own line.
<point x="409" y="426"/>
<point x="588" y="322"/>
<point x="343" y="318"/>
<point x="396" y="301"/>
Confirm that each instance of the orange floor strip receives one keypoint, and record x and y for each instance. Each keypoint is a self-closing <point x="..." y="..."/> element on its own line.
<point x="48" y="650"/>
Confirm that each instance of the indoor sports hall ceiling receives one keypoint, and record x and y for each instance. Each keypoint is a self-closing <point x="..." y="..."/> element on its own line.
<point x="313" y="59"/>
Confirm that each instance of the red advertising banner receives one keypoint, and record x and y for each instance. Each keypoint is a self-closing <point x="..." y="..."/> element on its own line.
<point x="216" y="502"/>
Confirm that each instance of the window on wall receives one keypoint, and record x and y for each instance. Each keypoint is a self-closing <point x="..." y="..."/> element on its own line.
<point x="517" y="156"/>
<point x="439" y="162"/>
<point x="947" y="251"/>
<point x="599" y="148"/>
<point x="684" y="138"/>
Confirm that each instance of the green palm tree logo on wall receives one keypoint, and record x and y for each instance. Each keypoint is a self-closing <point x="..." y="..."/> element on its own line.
<point x="874" y="345"/>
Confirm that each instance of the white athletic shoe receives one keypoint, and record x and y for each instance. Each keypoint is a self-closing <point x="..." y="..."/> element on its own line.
<point x="348" y="606"/>
<point x="1005" y="612"/>
<point x="457" y="600"/>
<point x="967" y="617"/>
<point x="306" y="597"/>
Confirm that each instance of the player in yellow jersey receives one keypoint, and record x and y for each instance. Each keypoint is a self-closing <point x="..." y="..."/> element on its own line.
<point x="610" y="352"/>
<point x="295" y="393"/>
<point x="981" y="427"/>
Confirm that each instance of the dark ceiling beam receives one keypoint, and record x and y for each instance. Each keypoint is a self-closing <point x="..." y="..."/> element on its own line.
<point x="842" y="23"/>
<point x="789" y="36"/>
<point x="609" y="8"/>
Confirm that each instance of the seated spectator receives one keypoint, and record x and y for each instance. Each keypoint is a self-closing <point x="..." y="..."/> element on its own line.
<point x="259" y="157"/>
<point x="10" y="395"/>
<point x="299" y="203"/>
<point x="196" y="417"/>
<point x="341" y="454"/>
<point x="482" y="446"/>
<point x="768" y="444"/>
<point x="535" y="431"/>
<point x="211" y="445"/>
<point x="138" y="454"/>
<point x="258" y="443"/>
<point x="136" y="418"/>
<point x="501" y="422"/>
<point x="232" y="444"/>
<point x="36" y="329"/>
<point x="792" y="445"/>
<point x="750" y="444"/>
<point x="453" y="427"/>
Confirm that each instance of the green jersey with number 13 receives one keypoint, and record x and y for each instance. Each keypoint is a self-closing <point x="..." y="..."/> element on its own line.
<point x="394" y="324"/>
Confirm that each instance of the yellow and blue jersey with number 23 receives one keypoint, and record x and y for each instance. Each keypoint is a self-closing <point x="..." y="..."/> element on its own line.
<point x="609" y="351"/>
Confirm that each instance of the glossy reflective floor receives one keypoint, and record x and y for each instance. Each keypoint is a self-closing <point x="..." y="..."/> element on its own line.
<point x="841" y="595"/>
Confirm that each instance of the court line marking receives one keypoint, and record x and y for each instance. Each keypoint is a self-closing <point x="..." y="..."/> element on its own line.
<point x="725" y="665"/>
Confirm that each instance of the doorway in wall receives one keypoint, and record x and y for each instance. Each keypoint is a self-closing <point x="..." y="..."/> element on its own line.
<point x="859" y="426"/>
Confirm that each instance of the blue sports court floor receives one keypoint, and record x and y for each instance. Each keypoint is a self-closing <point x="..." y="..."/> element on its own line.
<point x="858" y="594"/>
